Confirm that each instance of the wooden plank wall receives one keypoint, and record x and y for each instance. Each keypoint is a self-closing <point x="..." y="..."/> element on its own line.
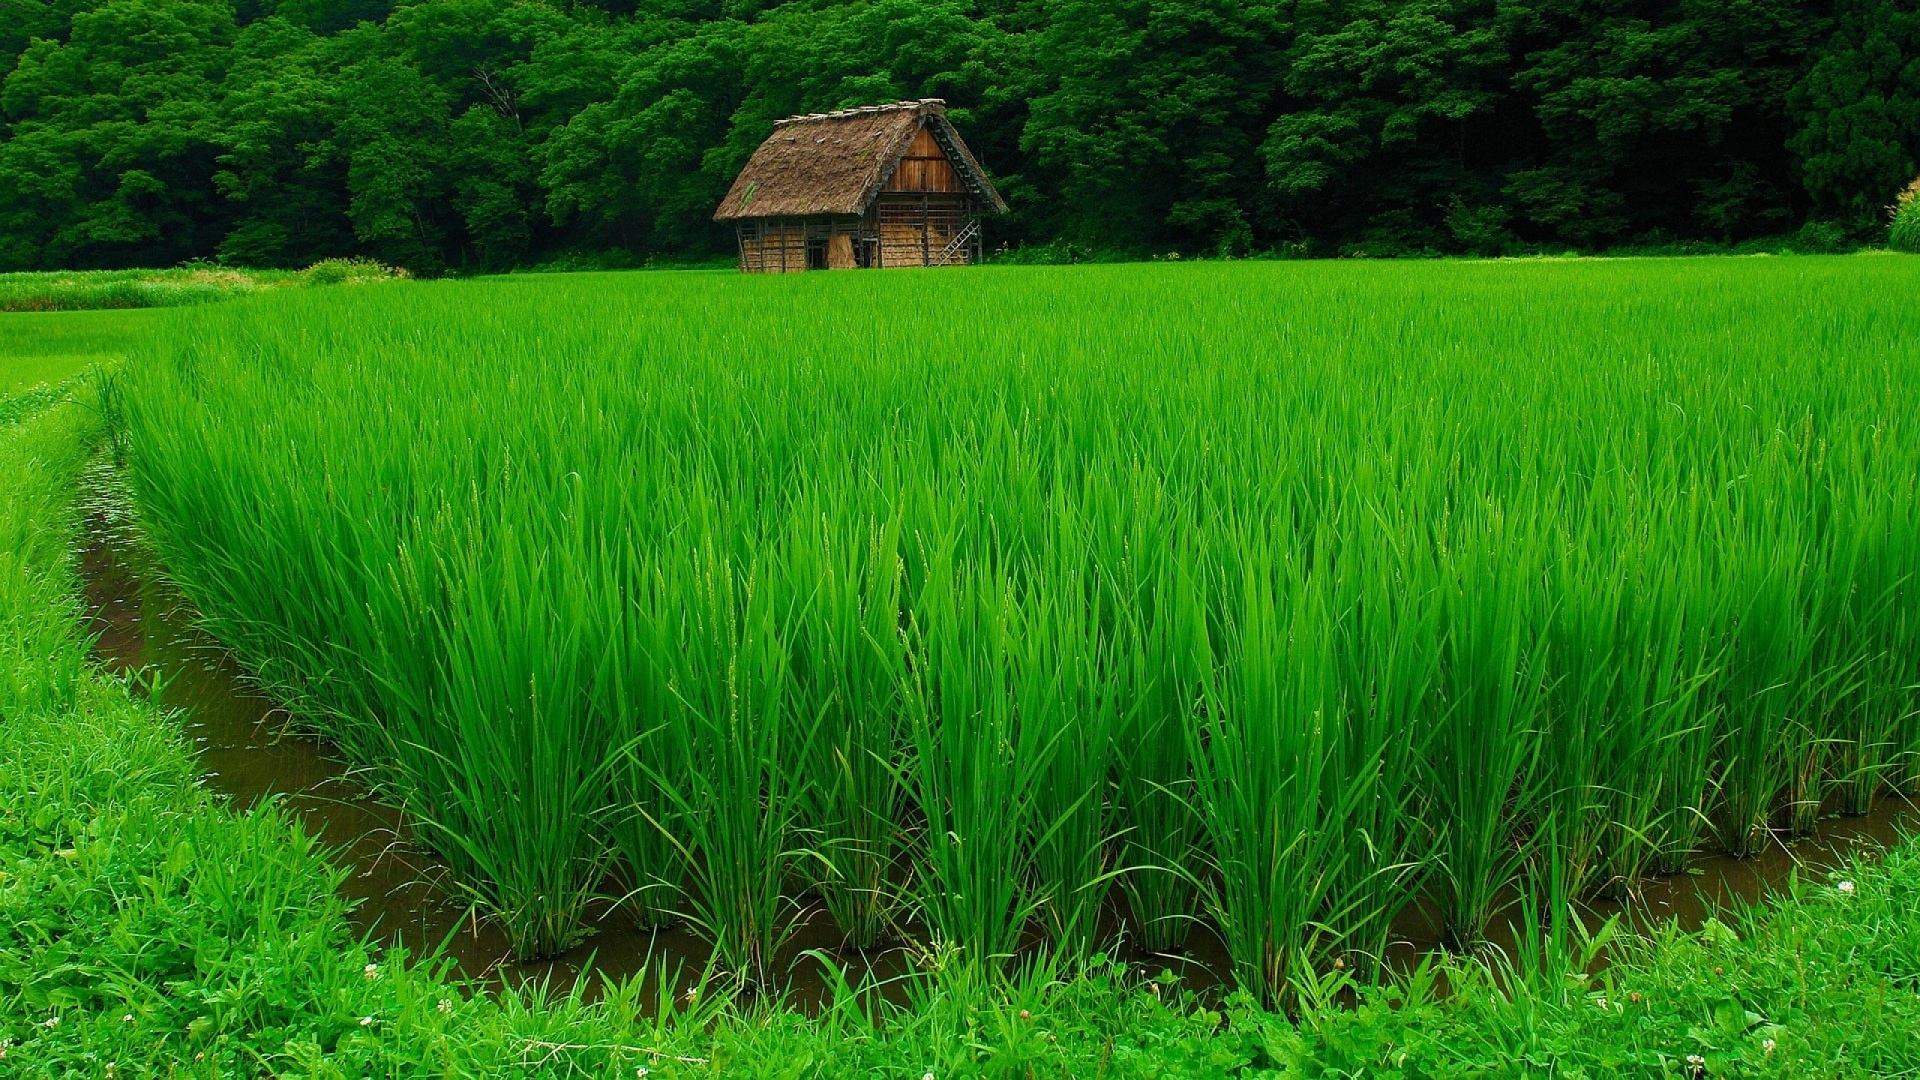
<point x="925" y="167"/>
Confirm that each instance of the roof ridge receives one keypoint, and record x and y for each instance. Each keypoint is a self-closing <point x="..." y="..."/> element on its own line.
<point x="864" y="110"/>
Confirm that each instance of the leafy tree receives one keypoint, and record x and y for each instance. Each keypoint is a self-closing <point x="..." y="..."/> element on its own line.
<point x="488" y="133"/>
<point x="630" y="168"/>
<point x="1857" y="110"/>
<point x="332" y="16"/>
<point x="23" y="20"/>
<point x="111" y="138"/>
<point x="277" y="116"/>
<point x="1388" y="146"/>
<point x="1658" y="115"/>
<point x="393" y="137"/>
<point x="1149" y="128"/>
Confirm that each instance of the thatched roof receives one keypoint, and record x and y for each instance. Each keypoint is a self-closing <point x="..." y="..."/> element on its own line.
<point x="836" y="162"/>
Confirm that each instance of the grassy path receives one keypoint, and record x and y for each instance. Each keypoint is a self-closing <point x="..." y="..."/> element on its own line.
<point x="147" y="929"/>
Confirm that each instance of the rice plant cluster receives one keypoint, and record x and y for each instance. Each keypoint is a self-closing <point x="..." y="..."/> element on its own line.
<point x="1014" y="609"/>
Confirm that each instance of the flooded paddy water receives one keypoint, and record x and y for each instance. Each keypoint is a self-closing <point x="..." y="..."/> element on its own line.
<point x="249" y="751"/>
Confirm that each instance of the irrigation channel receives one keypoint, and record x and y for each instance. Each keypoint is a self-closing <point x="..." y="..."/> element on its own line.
<point x="249" y="751"/>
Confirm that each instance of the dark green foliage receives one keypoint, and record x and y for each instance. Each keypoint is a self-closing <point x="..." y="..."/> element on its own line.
<point x="487" y="134"/>
<point x="1856" y="136"/>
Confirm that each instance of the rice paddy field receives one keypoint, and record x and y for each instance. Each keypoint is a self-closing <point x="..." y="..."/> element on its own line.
<point x="1013" y="609"/>
<point x="44" y="350"/>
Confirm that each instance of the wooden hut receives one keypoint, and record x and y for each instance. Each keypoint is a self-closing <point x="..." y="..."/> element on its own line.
<point x="878" y="186"/>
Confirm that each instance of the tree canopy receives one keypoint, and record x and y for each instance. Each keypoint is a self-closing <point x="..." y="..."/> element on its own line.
<point x="483" y="134"/>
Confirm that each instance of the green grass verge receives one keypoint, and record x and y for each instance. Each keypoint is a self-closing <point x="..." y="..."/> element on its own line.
<point x="76" y="290"/>
<point x="146" y="928"/>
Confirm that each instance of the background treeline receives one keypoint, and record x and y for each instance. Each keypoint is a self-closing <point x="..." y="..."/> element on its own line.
<point x="473" y="134"/>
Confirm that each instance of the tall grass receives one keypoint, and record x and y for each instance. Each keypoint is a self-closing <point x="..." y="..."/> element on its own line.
<point x="78" y="290"/>
<point x="1283" y="598"/>
<point x="1903" y="233"/>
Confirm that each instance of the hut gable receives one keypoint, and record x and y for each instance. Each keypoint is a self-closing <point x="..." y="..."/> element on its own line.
<point x="837" y="163"/>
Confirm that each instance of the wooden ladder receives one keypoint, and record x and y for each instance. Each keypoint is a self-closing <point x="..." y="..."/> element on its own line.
<point x="957" y="244"/>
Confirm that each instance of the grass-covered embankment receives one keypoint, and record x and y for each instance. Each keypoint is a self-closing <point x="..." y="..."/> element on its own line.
<point x="77" y="290"/>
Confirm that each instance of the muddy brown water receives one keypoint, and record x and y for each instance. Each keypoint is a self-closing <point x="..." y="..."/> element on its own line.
<point x="249" y="750"/>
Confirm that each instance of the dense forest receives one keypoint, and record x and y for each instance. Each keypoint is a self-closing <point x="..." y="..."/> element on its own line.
<point x="482" y="134"/>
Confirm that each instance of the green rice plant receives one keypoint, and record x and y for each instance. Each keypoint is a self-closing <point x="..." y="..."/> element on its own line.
<point x="1871" y="620"/>
<point x="1833" y="699"/>
<point x="653" y="757"/>
<point x="1762" y="691"/>
<point x="1655" y="750"/>
<point x="737" y="808"/>
<point x="1589" y="670"/>
<point x="974" y="774"/>
<point x="1902" y="683"/>
<point x="850" y="669"/>
<point x="1166" y="663"/>
<point x="1387" y="648"/>
<point x="1068" y="690"/>
<point x="1155" y="623"/>
<point x="524" y="768"/>
<point x="1483" y="777"/>
<point x="1688" y="657"/>
<point x="1274" y="797"/>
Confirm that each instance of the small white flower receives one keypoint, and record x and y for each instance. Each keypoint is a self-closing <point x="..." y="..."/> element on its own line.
<point x="127" y="1018"/>
<point x="446" y="1007"/>
<point x="1767" y="1045"/>
<point x="51" y="1023"/>
<point x="641" y="1072"/>
<point x="371" y="971"/>
<point x="926" y="1076"/>
<point x="1696" y="1060"/>
<point x="366" y="1021"/>
<point x="1845" y="887"/>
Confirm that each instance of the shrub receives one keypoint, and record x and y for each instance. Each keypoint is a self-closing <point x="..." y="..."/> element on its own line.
<point x="1905" y="234"/>
<point x="350" y="272"/>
